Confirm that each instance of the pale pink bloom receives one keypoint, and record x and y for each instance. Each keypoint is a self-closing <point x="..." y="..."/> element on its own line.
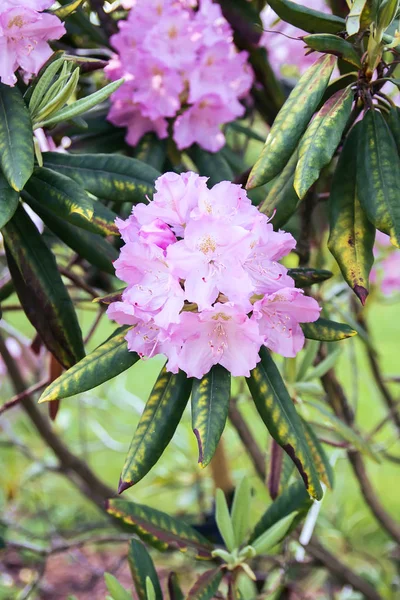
<point x="211" y="23"/>
<point x="24" y="36"/>
<point x="157" y="89"/>
<point x="228" y="201"/>
<point x="223" y="335"/>
<point x="386" y="271"/>
<point x="278" y="316"/>
<point x="158" y="233"/>
<point x="33" y="4"/>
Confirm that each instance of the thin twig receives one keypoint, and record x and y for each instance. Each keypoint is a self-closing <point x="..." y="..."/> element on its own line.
<point x="19" y="397"/>
<point x="66" y="546"/>
<point x="78" y="281"/>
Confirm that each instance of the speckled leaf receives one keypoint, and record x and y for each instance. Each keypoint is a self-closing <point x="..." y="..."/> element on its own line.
<point x="159" y="529"/>
<point x="105" y="362"/>
<point x="325" y="330"/>
<point x="333" y="44"/>
<point x="292" y="121"/>
<point x="321" y="139"/>
<point x="16" y="137"/>
<point x="321" y="461"/>
<point x="352" y="236"/>
<point x="277" y="410"/>
<point x="305" y="18"/>
<point x="142" y="566"/>
<point x="157" y="425"/>
<point x="210" y="404"/>
<point x="109" y="176"/>
<point x="305" y="276"/>
<point x="206" y="586"/>
<point x="41" y="290"/>
<point x="378" y="175"/>
<point x="282" y="200"/>
<point x="211" y="165"/>
<point x="9" y="199"/>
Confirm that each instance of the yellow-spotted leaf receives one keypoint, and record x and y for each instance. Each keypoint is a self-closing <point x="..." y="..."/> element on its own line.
<point x="159" y="529"/>
<point x="378" y="175"/>
<point x="305" y="18"/>
<point x="210" y="404"/>
<point x="305" y="276"/>
<point x="206" y="585"/>
<point x="333" y="44"/>
<point x="352" y="236"/>
<point x="142" y="566"/>
<point x="105" y="362"/>
<point x="282" y="200"/>
<point x="157" y="425"/>
<point x="321" y="461"/>
<point x="277" y="410"/>
<point x="325" y="330"/>
<point x="321" y="139"/>
<point x="292" y="121"/>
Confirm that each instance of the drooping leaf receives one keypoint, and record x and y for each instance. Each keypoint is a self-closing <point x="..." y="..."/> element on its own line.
<point x="41" y="290"/>
<point x="305" y="18"/>
<point x="378" y="175"/>
<point x="211" y="165"/>
<point x="277" y="410"/>
<point x="321" y="139"/>
<point x="352" y="236"/>
<point x="16" y="137"/>
<point x="142" y="566"/>
<point x="64" y="11"/>
<point x="325" y="330"/>
<point x="282" y="200"/>
<point x="224" y="521"/>
<point x="240" y="511"/>
<point x="174" y="589"/>
<point x="206" y="586"/>
<point x="292" y="121"/>
<point x="157" y="425"/>
<point x="109" y="176"/>
<point x="210" y="404"/>
<point x="9" y="199"/>
<point x="117" y="591"/>
<point x="273" y="535"/>
<point x="294" y="498"/>
<point x="159" y="529"/>
<point x="108" y="360"/>
<point x="305" y="276"/>
<point x="333" y="44"/>
<point x="321" y="461"/>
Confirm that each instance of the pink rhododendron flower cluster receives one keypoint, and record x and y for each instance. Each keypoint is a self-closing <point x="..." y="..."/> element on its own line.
<point x="181" y="64"/>
<point x="204" y="284"/>
<point x="386" y="273"/>
<point x="24" y="35"/>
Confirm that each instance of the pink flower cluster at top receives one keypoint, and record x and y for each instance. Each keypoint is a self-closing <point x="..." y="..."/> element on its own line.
<point x="178" y="64"/>
<point x="386" y="273"/>
<point x="285" y="53"/>
<point x="24" y="35"/>
<point x="204" y="284"/>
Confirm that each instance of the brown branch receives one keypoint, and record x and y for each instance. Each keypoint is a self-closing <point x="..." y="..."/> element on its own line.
<point x="17" y="399"/>
<point x="60" y="547"/>
<point x="247" y="439"/>
<point x="78" y="281"/>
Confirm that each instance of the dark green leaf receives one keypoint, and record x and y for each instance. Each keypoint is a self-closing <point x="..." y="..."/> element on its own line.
<point x="305" y="18"/>
<point x="142" y="566"/>
<point x="174" y="589"/>
<point x="325" y="330"/>
<point x="152" y="151"/>
<point x="333" y="44"/>
<point x="157" y="425"/>
<point x="210" y="404"/>
<point x="305" y="276"/>
<point x="277" y="410"/>
<point x="206" y="586"/>
<point x="16" y="137"/>
<point x="9" y="199"/>
<point x="211" y="165"/>
<point x="321" y="461"/>
<point x="393" y="120"/>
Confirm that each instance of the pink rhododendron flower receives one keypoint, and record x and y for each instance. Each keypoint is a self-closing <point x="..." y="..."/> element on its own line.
<point x="386" y="272"/>
<point x="204" y="285"/>
<point x="180" y="63"/>
<point x="24" y="36"/>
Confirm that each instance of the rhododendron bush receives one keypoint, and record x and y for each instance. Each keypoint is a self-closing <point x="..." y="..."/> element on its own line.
<point x="199" y="202"/>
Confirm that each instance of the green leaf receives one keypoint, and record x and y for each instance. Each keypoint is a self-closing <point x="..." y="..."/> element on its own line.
<point x="43" y="83"/>
<point x="333" y="44"/>
<point x="159" y="529"/>
<point x="325" y="330"/>
<point x="41" y="290"/>
<point x="157" y="425"/>
<point x="108" y="360"/>
<point x="211" y="165"/>
<point x="273" y="535"/>
<point x="9" y="200"/>
<point x="142" y="566"/>
<point x="309" y="355"/>
<point x="291" y="122"/>
<point x="324" y="366"/>
<point x="393" y="120"/>
<point x="223" y="519"/>
<point x="64" y="11"/>
<point x="277" y="410"/>
<point x="81" y="106"/>
<point x="241" y="511"/>
<point x="174" y="589"/>
<point x="58" y="94"/>
<point x="378" y="175"/>
<point x="353" y="19"/>
<point x="150" y="592"/>
<point x="321" y="139"/>
<point x="282" y="196"/>
<point x="294" y="498"/>
<point x="16" y="137"/>
<point x="206" y="586"/>
<point x="109" y="176"/>
<point x="152" y="151"/>
<point x="305" y="276"/>
<point x="352" y="236"/>
<point x="210" y="404"/>
<point x="117" y="591"/>
<point x="321" y="461"/>
<point x="305" y="18"/>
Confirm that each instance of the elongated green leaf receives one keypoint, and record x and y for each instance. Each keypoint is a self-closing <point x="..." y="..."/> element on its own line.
<point x="58" y="94"/>
<point x="159" y="529"/>
<point x="273" y="535"/>
<point x="206" y="586"/>
<point x="393" y="120"/>
<point x="324" y="366"/>
<point x="64" y="11"/>
<point x="333" y="44"/>
<point x="277" y="410"/>
<point x="282" y="198"/>
<point x="81" y="106"/>
<point x="352" y="236"/>
<point x="305" y="276"/>
<point x="240" y="511"/>
<point x="321" y="461"/>
<point x="43" y="83"/>
<point x="325" y="330"/>
<point x="321" y="139"/>
<point x="210" y="404"/>
<point x="223" y="519"/>
<point x="109" y="176"/>
<point x="309" y="355"/>
<point x="174" y="589"/>
<point x="9" y="199"/>
<point x="157" y="425"/>
<point x="294" y="498"/>
<point x="117" y="591"/>
<point x="142" y="566"/>
<point x="378" y="175"/>
<point x="305" y="18"/>
<point x="292" y="121"/>
<point x="211" y="165"/>
<point x="41" y="291"/>
<point x="353" y="19"/>
<point x="16" y="137"/>
<point x="108" y="360"/>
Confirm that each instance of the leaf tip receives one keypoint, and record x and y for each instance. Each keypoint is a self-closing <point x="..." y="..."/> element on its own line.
<point x="361" y="293"/>
<point x="124" y="485"/>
